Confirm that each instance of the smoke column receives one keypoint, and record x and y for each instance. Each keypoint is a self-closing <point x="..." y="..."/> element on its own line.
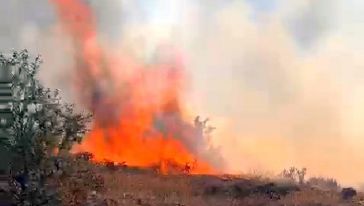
<point x="138" y="117"/>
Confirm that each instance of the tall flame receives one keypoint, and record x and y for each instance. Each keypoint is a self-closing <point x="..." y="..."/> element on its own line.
<point x="138" y="117"/>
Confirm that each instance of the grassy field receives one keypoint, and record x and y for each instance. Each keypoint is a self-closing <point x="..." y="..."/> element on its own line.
<point x="85" y="183"/>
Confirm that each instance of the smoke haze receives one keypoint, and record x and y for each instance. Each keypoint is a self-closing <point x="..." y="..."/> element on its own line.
<point x="281" y="81"/>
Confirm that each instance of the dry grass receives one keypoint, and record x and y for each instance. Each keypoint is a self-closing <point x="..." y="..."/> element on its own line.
<point x="91" y="184"/>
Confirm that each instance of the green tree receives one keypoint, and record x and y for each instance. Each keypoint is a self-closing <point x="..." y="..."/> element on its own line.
<point x="41" y="124"/>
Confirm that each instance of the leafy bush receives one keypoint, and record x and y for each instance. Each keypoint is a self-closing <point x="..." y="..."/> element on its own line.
<point x="41" y="125"/>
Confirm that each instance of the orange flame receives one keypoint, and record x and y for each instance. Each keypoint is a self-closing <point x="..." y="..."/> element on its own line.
<point x="137" y="109"/>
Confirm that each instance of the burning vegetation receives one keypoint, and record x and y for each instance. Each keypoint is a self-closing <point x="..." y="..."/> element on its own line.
<point x="139" y="118"/>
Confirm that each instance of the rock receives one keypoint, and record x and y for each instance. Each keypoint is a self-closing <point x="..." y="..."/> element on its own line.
<point x="348" y="193"/>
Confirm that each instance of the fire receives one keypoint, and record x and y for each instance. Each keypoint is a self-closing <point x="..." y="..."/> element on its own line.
<point x="138" y="115"/>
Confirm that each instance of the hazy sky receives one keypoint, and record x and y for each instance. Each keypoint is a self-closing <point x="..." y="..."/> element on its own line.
<point x="281" y="79"/>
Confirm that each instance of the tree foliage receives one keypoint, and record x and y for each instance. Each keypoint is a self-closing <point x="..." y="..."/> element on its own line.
<point x="41" y="125"/>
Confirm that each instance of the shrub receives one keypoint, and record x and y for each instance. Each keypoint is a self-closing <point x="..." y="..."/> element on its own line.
<point x="324" y="183"/>
<point x="41" y="125"/>
<point x="294" y="174"/>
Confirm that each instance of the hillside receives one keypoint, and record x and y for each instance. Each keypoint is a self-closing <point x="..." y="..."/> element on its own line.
<point x="85" y="183"/>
